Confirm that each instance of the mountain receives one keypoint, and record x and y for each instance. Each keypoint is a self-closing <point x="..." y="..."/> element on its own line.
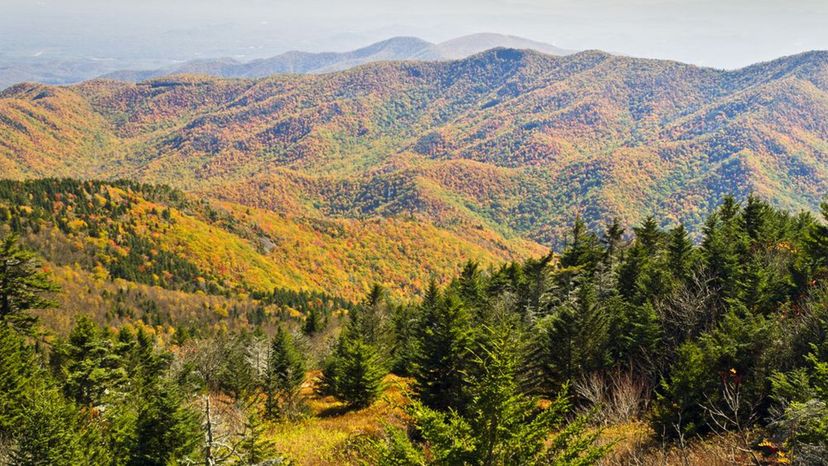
<point x="472" y="44"/>
<point x="394" y="49"/>
<point x="512" y="143"/>
<point x="157" y="236"/>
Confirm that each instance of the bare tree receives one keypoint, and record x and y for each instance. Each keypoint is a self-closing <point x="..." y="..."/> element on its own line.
<point x="732" y="415"/>
<point x="619" y="396"/>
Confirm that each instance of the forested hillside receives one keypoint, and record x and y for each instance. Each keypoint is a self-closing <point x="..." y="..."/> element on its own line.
<point x="507" y="140"/>
<point x="158" y="236"/>
<point x="635" y="347"/>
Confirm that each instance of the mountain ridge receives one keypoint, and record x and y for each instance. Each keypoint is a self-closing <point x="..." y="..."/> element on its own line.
<point x="513" y="141"/>
<point x="400" y="48"/>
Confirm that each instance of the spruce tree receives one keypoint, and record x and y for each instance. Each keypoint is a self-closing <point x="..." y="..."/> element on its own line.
<point x="442" y="351"/>
<point x="48" y="432"/>
<point x="18" y="374"/>
<point x="611" y="240"/>
<point x="166" y="429"/>
<point x="89" y="365"/>
<point x="313" y="322"/>
<point x="23" y="286"/>
<point x="353" y="373"/>
<point x="572" y="339"/>
<point x="284" y="375"/>
<point x="680" y="254"/>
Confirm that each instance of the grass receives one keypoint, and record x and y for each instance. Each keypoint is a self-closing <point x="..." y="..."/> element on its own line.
<point x="322" y="437"/>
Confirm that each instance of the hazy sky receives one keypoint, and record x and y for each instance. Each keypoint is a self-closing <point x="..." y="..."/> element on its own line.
<point x="721" y="33"/>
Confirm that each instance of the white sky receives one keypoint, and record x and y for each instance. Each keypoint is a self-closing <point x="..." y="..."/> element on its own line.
<point x="721" y="33"/>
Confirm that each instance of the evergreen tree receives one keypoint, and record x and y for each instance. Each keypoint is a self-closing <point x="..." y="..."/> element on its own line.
<point x="583" y="251"/>
<point x="502" y="425"/>
<point x="611" y="240"/>
<point x="441" y="357"/>
<point x="721" y="248"/>
<point x="89" y="366"/>
<point x="256" y="448"/>
<point x="284" y="375"/>
<point x="166" y="430"/>
<point x="18" y="374"/>
<point x="48" y="432"/>
<point x="23" y="286"/>
<point x="570" y="341"/>
<point x="313" y="323"/>
<point x="649" y="236"/>
<point x="353" y="373"/>
<point x="680" y="254"/>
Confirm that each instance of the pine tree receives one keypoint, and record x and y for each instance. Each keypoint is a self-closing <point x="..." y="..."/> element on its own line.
<point x="571" y="340"/>
<point x="353" y="373"/>
<point x="18" y="374"/>
<point x="166" y="430"/>
<point x="23" y="286"/>
<point x="680" y="253"/>
<point x="443" y="342"/>
<point x="313" y="322"/>
<point x="89" y="365"/>
<point x="611" y="240"/>
<point x="255" y="447"/>
<point x="816" y="241"/>
<point x="284" y="375"/>
<point x="502" y="425"/>
<point x="583" y="251"/>
<point x="48" y="432"/>
<point x="649" y="236"/>
<point x="722" y="246"/>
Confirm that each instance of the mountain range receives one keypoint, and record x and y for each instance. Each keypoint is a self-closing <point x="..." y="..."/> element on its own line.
<point x="394" y="49"/>
<point x="69" y="69"/>
<point x="497" y="152"/>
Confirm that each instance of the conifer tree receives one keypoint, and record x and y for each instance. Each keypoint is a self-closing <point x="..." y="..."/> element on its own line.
<point x="571" y="340"/>
<point x="23" y="286"/>
<point x="48" y="432"/>
<point x="680" y="253"/>
<point x="353" y="373"/>
<point x="441" y="358"/>
<point x="313" y="322"/>
<point x="502" y="425"/>
<point x="284" y="375"/>
<point x="18" y="374"/>
<point x="611" y="240"/>
<point x="256" y="448"/>
<point x="89" y="365"/>
<point x="582" y="251"/>
<point x="166" y="429"/>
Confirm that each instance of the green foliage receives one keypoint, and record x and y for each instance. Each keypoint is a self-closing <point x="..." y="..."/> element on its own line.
<point x="23" y="286"/>
<point x="733" y="354"/>
<point x="166" y="430"/>
<point x="501" y="424"/>
<point x="284" y="375"/>
<point x="353" y="373"/>
<point x="440" y="360"/>
<point x="87" y="364"/>
<point x="572" y="339"/>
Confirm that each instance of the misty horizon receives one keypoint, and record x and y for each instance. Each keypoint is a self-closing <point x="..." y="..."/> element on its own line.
<point x="717" y="34"/>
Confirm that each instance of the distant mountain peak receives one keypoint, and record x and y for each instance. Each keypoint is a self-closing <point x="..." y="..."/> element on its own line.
<point x="400" y="48"/>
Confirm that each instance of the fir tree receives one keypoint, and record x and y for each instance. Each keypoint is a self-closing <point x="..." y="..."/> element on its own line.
<point x="284" y="375"/>
<point x="89" y="365"/>
<point x="443" y="342"/>
<point x="680" y="253"/>
<point x="23" y="286"/>
<point x="353" y="373"/>
<point x="313" y="322"/>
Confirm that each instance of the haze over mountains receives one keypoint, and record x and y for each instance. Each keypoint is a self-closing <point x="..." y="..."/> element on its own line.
<point x="66" y="71"/>
<point x="394" y="49"/>
<point x="507" y="141"/>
